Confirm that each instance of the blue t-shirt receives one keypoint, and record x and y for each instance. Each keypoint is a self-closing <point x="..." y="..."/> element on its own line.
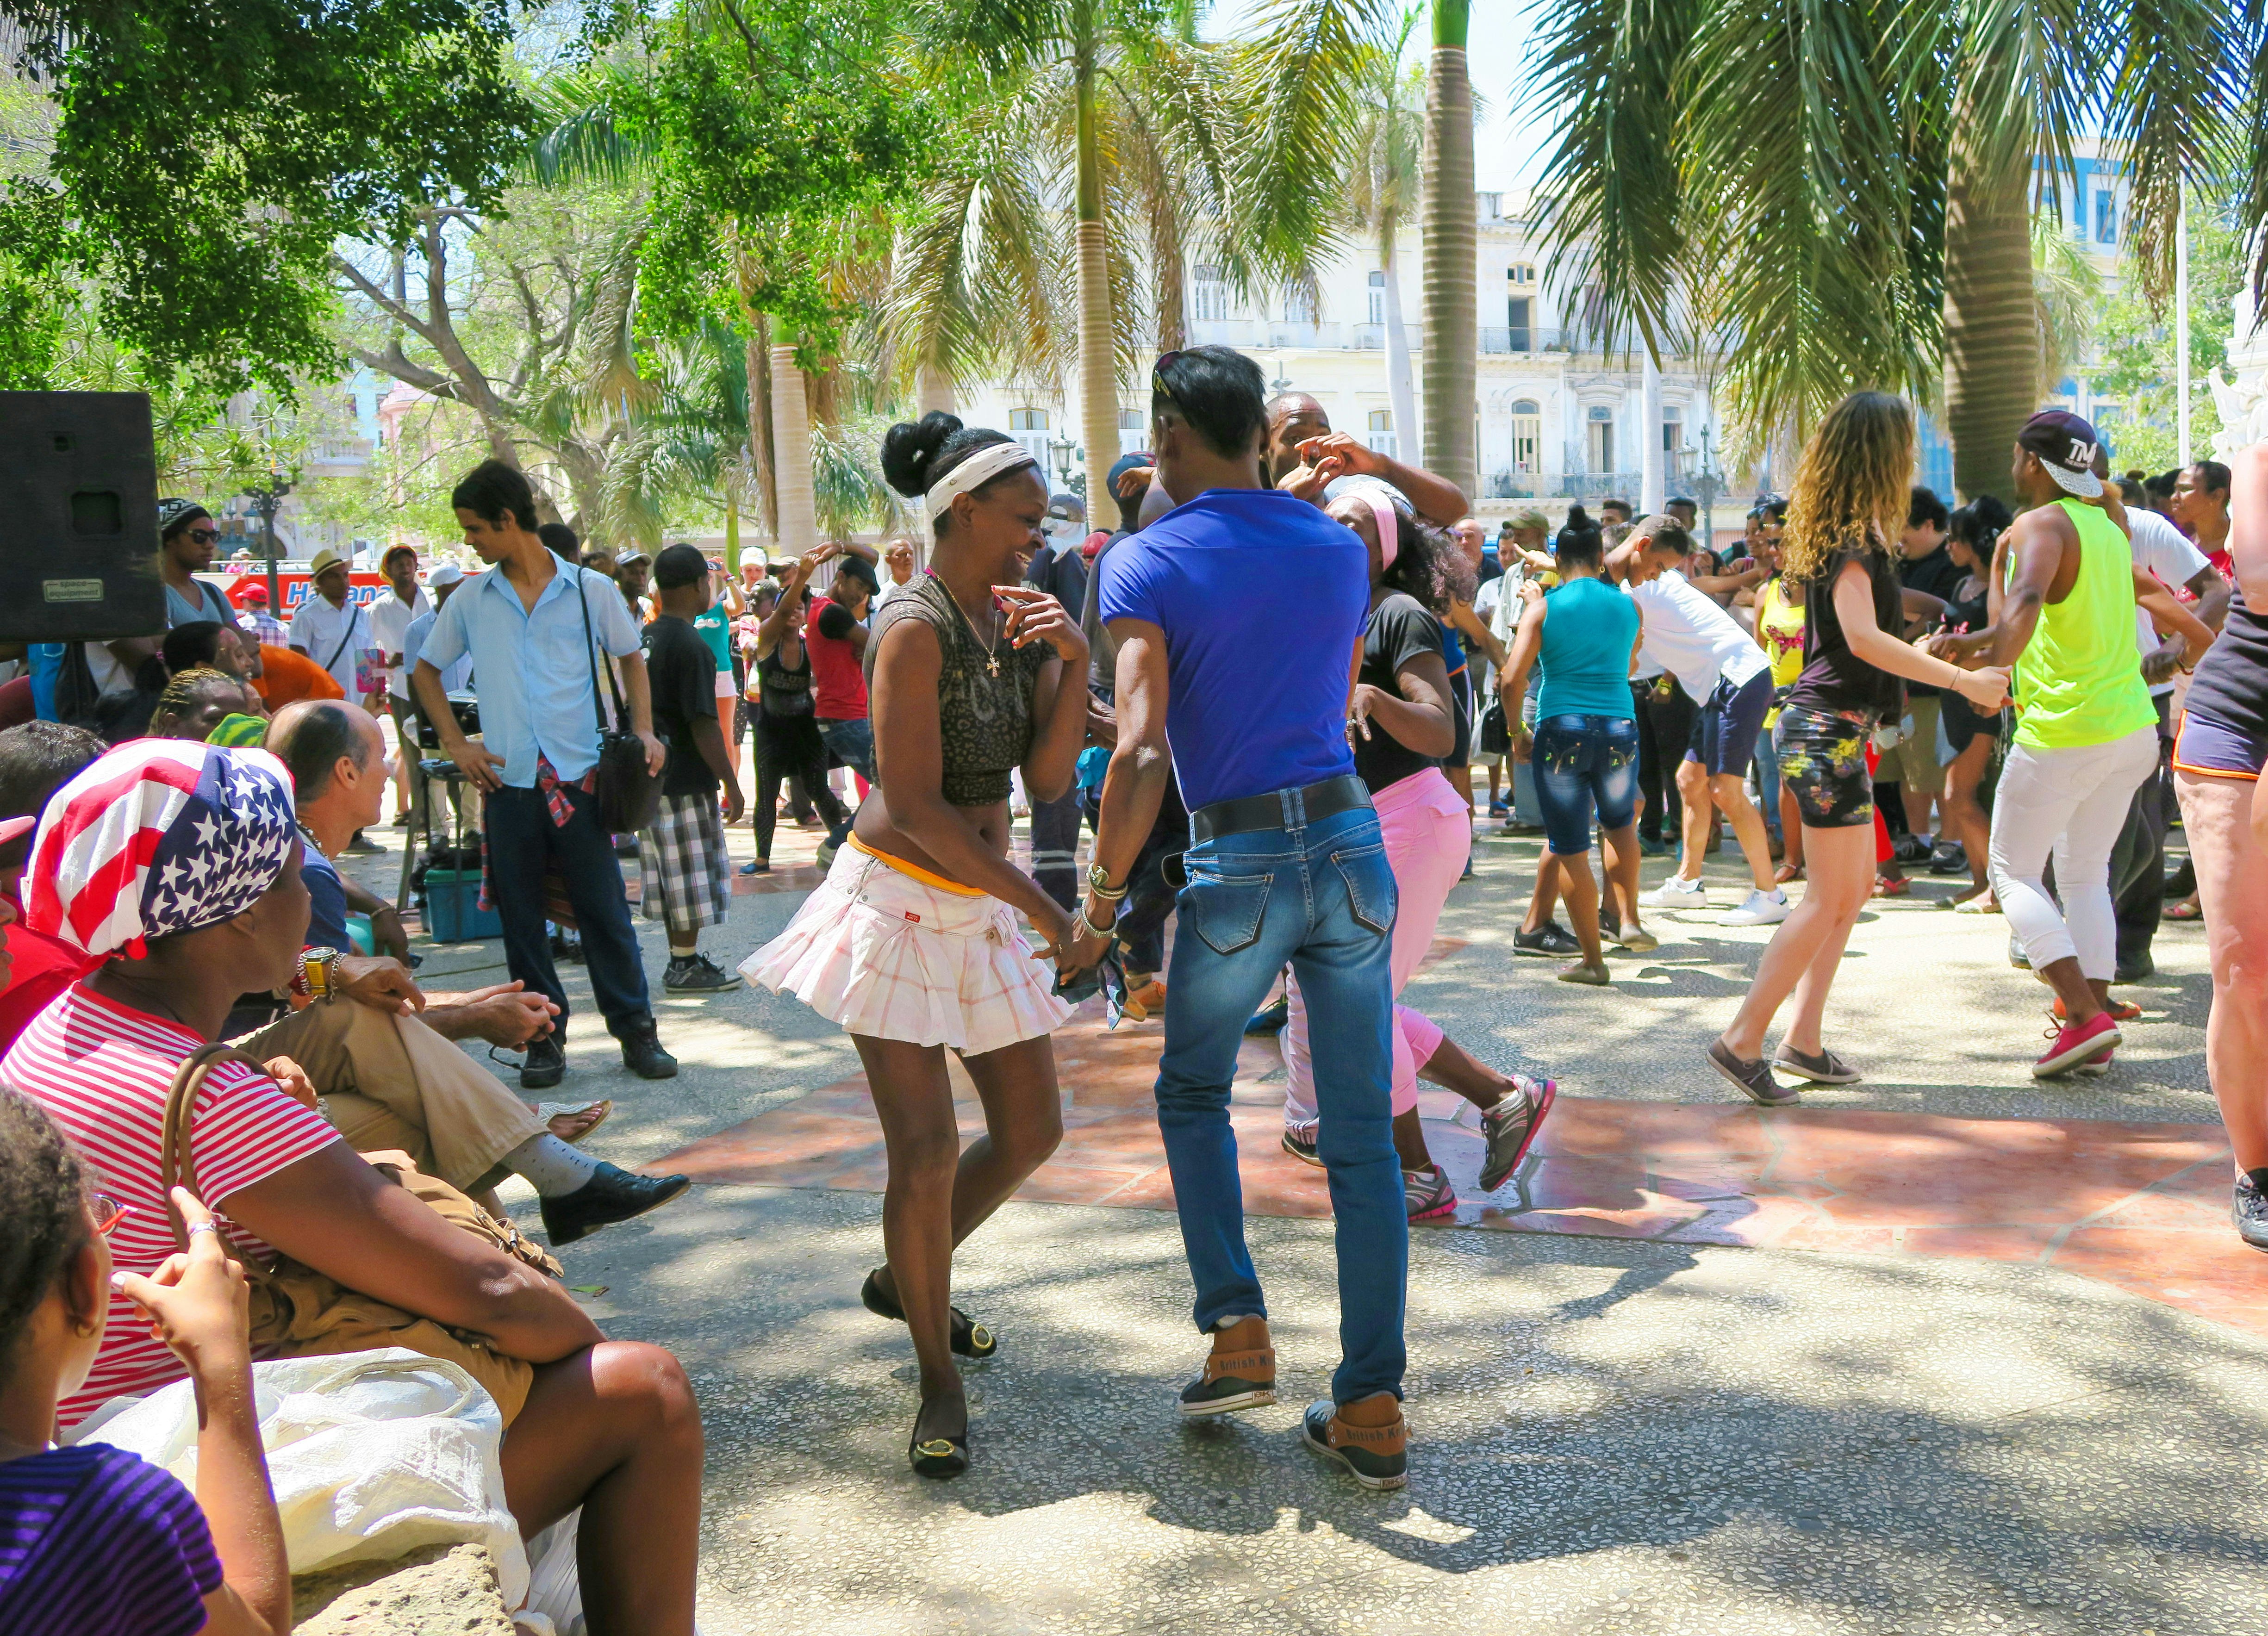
<point x="1262" y="598"/>
<point x="327" y="900"/>
<point x="1588" y="628"/>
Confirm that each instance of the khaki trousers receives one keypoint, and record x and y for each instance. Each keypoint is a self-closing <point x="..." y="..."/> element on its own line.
<point x="391" y="1081"/>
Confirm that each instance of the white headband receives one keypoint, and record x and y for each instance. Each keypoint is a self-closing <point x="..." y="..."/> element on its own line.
<point x="978" y="469"/>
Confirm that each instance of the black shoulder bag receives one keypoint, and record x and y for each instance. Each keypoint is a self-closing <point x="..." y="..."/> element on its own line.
<point x="628" y="795"/>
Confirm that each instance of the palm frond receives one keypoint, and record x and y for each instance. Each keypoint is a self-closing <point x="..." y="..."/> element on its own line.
<point x="2173" y="114"/>
<point x="578" y="138"/>
<point x="1295" y="79"/>
<point x="2066" y="292"/>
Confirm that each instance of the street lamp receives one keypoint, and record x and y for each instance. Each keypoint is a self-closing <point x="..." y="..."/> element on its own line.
<point x="266" y="499"/>
<point x="1062" y="448"/>
<point x="1708" y="487"/>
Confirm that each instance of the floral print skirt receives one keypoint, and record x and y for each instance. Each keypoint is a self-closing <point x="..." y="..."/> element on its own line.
<point x="1822" y="758"/>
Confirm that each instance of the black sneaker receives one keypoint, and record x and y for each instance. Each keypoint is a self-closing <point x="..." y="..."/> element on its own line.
<point x="696" y="974"/>
<point x="545" y="1065"/>
<point x="1300" y="1142"/>
<point x="1377" y="1456"/>
<point x="1950" y="858"/>
<point x="1755" y="1079"/>
<point x="2249" y="1209"/>
<point x="612" y="1194"/>
<point x="642" y="1053"/>
<point x="1268" y="1019"/>
<point x="1549" y="941"/>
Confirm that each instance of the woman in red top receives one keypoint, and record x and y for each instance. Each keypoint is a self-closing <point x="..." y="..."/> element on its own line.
<point x="836" y="642"/>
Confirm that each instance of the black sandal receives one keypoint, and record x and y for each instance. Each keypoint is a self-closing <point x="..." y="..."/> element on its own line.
<point x="969" y="1339"/>
<point x="937" y="1456"/>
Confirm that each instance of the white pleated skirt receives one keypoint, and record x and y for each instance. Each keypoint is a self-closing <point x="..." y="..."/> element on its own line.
<point x="889" y="957"/>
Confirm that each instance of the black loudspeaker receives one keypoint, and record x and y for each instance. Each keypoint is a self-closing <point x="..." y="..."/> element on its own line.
<point x="79" y="485"/>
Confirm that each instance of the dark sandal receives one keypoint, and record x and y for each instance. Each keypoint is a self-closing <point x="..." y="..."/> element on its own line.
<point x="1232" y="1381"/>
<point x="969" y="1339"/>
<point x="937" y="1457"/>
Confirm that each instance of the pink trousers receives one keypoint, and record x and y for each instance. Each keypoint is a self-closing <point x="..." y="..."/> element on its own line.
<point x="1428" y="830"/>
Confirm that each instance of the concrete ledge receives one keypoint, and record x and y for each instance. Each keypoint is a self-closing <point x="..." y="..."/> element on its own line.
<point x="441" y="1588"/>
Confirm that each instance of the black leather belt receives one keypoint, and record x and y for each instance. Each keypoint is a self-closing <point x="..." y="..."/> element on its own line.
<point x="1279" y="809"/>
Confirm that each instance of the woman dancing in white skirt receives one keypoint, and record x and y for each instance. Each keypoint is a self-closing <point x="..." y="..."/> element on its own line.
<point x="911" y="944"/>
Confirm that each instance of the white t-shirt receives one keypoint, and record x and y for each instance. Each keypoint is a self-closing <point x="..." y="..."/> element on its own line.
<point x="324" y="632"/>
<point x="2163" y="552"/>
<point x="389" y="622"/>
<point x="1688" y="636"/>
<point x="1488" y="608"/>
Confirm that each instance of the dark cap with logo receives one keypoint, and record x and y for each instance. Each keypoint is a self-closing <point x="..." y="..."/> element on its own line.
<point x="2065" y="446"/>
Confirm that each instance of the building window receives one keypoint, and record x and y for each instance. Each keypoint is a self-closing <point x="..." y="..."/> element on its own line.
<point x="1381" y="432"/>
<point x="1489" y="206"/>
<point x="1600" y="451"/>
<point x="1527" y="435"/>
<point x="1133" y="434"/>
<point x="1521" y="273"/>
<point x="1211" y="300"/>
<point x="1519" y="313"/>
<point x="2106" y="217"/>
<point x="1378" y="297"/>
<point x="1673" y="428"/>
<point x="1030" y="429"/>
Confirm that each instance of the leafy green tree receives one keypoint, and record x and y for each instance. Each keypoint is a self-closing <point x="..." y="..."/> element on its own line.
<point x="2135" y="348"/>
<point x="204" y="156"/>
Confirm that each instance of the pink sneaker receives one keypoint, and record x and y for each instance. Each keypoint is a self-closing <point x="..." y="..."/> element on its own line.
<point x="1427" y="1194"/>
<point x="2076" y="1043"/>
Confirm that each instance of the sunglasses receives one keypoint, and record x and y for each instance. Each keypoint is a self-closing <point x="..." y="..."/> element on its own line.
<point x="106" y="1211"/>
<point x="203" y="536"/>
<point x="1158" y="373"/>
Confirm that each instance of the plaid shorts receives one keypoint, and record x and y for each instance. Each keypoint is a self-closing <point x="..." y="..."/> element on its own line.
<point x="681" y="857"/>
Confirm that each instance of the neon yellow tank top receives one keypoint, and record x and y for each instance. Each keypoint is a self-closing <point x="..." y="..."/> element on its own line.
<point x="2079" y="681"/>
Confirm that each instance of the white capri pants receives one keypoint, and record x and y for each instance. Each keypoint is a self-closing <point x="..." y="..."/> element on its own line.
<point x="2070" y="803"/>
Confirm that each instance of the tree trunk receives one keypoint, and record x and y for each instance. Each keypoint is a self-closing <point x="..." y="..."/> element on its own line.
<point x="1098" y="362"/>
<point x="1992" y="336"/>
<point x="1452" y="316"/>
<point x="798" y="514"/>
<point x="763" y="469"/>
<point x="934" y="389"/>
<point x="1650" y="458"/>
<point x="1401" y="394"/>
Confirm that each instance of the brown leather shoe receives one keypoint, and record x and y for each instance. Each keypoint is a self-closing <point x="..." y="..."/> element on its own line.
<point x="1377" y="1456"/>
<point x="1240" y="1374"/>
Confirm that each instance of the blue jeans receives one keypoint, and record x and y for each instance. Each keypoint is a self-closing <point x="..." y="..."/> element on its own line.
<point x="1582" y="762"/>
<point x="852" y="743"/>
<point x="522" y="840"/>
<point x="1768" y="776"/>
<point x="1321" y="898"/>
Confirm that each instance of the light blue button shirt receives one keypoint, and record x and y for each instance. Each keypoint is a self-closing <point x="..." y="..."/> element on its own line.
<point x="532" y="672"/>
<point x="413" y="643"/>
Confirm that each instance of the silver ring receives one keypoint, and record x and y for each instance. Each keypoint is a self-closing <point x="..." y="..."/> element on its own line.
<point x="202" y="1227"/>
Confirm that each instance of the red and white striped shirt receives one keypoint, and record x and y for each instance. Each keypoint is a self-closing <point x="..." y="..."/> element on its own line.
<point x="102" y="1072"/>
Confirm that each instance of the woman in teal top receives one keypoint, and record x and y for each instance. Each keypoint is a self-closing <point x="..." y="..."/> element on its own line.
<point x="1585" y="746"/>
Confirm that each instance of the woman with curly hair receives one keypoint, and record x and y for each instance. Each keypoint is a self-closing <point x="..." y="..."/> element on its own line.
<point x="1402" y="721"/>
<point x="1849" y="503"/>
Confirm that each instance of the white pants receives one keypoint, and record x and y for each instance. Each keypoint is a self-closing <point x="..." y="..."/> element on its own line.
<point x="2070" y="803"/>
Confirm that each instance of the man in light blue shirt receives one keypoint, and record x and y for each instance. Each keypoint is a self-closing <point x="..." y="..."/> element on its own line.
<point x="537" y="629"/>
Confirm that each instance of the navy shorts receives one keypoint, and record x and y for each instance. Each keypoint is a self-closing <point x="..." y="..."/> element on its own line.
<point x="1725" y="728"/>
<point x="2217" y="750"/>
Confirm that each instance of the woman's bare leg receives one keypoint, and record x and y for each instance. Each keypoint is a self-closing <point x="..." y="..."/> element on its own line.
<point x="1622" y="860"/>
<point x="1839" y="870"/>
<point x="614" y="1429"/>
<point x="1023" y="1123"/>
<point x="1582" y="895"/>
<point x="1961" y="813"/>
<point x="1545" y="896"/>
<point x="913" y="1098"/>
<point x="2231" y="873"/>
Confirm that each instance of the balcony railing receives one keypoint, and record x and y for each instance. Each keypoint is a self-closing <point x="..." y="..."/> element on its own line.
<point x="1223" y="332"/>
<point x="1525" y="338"/>
<point x="1291" y="334"/>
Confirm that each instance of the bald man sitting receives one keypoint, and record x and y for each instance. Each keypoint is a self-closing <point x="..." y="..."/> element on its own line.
<point x="384" y="1068"/>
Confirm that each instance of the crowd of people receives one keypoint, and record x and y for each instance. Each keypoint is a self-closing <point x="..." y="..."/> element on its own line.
<point x="2012" y="692"/>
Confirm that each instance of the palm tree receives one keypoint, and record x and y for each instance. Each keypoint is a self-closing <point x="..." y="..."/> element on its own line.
<point x="1168" y="147"/>
<point x="1384" y="193"/>
<point x="1451" y="313"/>
<point x="1859" y="181"/>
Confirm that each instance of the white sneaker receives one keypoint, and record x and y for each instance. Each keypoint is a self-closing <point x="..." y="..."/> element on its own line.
<point x="1677" y="893"/>
<point x="1763" y="909"/>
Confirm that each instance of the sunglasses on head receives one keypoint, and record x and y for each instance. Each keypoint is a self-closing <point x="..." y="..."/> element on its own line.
<point x="1158" y="373"/>
<point x="105" y="1211"/>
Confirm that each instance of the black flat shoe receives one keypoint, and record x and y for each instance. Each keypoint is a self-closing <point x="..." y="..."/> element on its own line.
<point x="970" y="1338"/>
<point x="937" y="1457"/>
<point x="611" y="1195"/>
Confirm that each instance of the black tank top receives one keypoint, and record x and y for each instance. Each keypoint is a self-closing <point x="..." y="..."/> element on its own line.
<point x="784" y="692"/>
<point x="2230" y="686"/>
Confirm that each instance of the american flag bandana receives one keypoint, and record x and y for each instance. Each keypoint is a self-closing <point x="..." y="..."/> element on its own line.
<point x="157" y="837"/>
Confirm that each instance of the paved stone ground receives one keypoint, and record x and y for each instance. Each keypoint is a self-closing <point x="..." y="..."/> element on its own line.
<point x="1611" y="1436"/>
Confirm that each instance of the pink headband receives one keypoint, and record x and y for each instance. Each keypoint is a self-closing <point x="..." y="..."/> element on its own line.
<point x="1389" y="531"/>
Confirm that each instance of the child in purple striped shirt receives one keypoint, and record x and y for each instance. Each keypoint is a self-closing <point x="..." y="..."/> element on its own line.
<point x="95" y="1541"/>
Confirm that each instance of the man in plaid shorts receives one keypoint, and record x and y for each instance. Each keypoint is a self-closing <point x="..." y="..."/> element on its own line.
<point x="681" y="853"/>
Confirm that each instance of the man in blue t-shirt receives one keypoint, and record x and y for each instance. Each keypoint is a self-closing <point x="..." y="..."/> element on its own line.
<point x="1284" y="866"/>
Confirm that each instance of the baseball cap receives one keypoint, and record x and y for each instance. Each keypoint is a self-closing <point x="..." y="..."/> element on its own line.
<point x="441" y="574"/>
<point x="1531" y="518"/>
<point x="2065" y="446"/>
<point x="256" y="592"/>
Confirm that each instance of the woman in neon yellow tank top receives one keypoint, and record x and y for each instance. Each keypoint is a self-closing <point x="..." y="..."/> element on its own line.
<point x="2085" y="732"/>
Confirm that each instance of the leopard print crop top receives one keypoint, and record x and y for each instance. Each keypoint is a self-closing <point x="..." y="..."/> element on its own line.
<point x="985" y="721"/>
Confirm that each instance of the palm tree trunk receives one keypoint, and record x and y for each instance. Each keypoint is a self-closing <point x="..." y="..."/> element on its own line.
<point x="798" y="531"/>
<point x="1401" y="394"/>
<point x="1992" y="336"/>
<point x="1098" y="367"/>
<point x="934" y="386"/>
<point x="1452" y="316"/>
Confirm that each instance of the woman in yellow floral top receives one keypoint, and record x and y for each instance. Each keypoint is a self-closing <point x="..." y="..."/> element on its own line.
<point x="1779" y="631"/>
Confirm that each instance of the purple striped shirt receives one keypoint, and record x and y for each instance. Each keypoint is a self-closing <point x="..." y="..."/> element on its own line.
<point x="97" y="1542"/>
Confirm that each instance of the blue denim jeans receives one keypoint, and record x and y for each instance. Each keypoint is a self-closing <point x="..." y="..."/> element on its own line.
<point x="1321" y="898"/>
<point x="1585" y="763"/>
<point x="1768" y="776"/>
<point x="852" y="743"/>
